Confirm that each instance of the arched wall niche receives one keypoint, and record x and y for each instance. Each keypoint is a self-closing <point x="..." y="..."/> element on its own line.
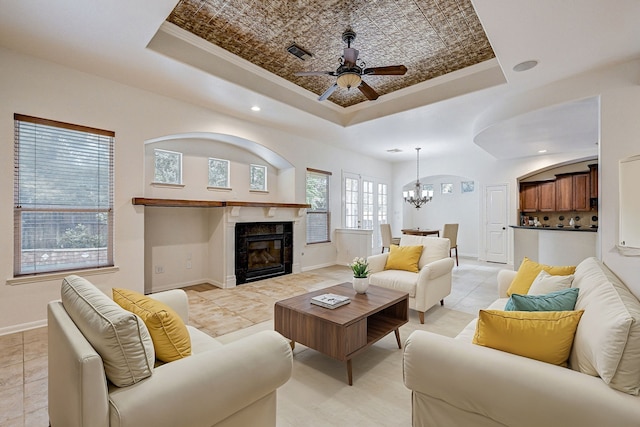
<point x="197" y="147"/>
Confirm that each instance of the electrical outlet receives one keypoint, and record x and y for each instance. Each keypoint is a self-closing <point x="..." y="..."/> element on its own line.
<point x="188" y="264"/>
<point x="159" y="269"/>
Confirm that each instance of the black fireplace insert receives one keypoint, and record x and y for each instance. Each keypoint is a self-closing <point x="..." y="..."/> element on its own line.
<point x="263" y="249"/>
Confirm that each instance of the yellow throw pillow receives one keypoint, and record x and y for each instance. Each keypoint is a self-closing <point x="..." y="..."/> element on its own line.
<point x="529" y="270"/>
<point x="404" y="258"/>
<point x="169" y="334"/>
<point x="542" y="335"/>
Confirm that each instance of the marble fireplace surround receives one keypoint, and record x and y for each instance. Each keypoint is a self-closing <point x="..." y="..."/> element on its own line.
<point x="224" y="215"/>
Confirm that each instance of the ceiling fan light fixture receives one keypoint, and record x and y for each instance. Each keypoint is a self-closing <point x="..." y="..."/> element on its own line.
<point x="349" y="80"/>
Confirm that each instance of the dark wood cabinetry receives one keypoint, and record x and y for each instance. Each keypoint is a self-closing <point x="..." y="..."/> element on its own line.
<point x="568" y="192"/>
<point x="593" y="181"/>
<point x="547" y="196"/>
<point x="581" y="192"/>
<point x="573" y="192"/>
<point x="529" y="197"/>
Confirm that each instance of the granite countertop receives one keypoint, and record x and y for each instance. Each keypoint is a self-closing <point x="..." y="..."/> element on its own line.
<point x="565" y="228"/>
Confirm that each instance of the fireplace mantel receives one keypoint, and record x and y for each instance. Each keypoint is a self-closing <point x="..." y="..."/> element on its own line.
<point x="174" y="203"/>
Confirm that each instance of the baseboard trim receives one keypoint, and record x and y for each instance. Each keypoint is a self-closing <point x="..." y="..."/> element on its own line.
<point x="317" y="266"/>
<point x="23" y="327"/>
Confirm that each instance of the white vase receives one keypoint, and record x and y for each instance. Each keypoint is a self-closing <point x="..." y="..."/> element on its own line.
<point x="360" y="284"/>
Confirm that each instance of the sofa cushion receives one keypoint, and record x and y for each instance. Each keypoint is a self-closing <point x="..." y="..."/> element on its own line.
<point x="529" y="270"/>
<point x="401" y="280"/>
<point x="403" y="258"/>
<point x="434" y="248"/>
<point x="119" y="336"/>
<point x="545" y="283"/>
<point x="170" y="337"/>
<point x="542" y="335"/>
<point x="562" y="300"/>
<point x="607" y="341"/>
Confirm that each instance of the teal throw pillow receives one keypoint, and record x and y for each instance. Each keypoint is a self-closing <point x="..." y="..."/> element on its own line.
<point x="562" y="300"/>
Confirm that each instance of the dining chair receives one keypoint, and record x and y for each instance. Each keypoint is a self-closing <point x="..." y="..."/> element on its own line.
<point x="387" y="239"/>
<point x="450" y="232"/>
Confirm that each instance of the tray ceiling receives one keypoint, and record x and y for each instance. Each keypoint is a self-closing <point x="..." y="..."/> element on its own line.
<point x="431" y="38"/>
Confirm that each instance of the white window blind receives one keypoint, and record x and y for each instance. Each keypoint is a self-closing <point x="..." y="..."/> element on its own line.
<point x="318" y="215"/>
<point x="63" y="196"/>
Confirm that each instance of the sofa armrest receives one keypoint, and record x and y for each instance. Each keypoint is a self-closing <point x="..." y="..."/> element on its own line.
<point x="435" y="269"/>
<point x="176" y="299"/>
<point x="505" y="277"/>
<point x="205" y="388"/>
<point x="523" y="391"/>
<point x="377" y="262"/>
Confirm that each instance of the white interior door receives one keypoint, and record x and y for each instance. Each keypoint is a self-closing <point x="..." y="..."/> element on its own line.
<point x="496" y="206"/>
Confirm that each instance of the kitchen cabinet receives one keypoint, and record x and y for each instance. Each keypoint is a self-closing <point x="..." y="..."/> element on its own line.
<point x="573" y="192"/>
<point x="581" y="192"/>
<point x="564" y="193"/>
<point x="529" y="197"/>
<point x="547" y="196"/>
<point x="593" y="181"/>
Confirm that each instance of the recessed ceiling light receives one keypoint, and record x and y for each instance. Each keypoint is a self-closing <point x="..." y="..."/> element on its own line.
<point x="524" y="66"/>
<point x="255" y="108"/>
<point x="542" y="151"/>
<point x="394" y="150"/>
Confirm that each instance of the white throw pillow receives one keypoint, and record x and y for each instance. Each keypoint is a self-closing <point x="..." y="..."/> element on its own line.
<point x="120" y="337"/>
<point x="433" y="248"/>
<point x="607" y="341"/>
<point x="545" y="283"/>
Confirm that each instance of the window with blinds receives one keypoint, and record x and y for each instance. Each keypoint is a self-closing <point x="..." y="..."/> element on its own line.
<point x="63" y="196"/>
<point x="318" y="215"/>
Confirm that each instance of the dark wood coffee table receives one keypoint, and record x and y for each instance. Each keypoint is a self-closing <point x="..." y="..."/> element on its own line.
<point x="346" y="331"/>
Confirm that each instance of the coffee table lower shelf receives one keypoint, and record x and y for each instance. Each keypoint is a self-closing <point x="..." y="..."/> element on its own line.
<point x="346" y="331"/>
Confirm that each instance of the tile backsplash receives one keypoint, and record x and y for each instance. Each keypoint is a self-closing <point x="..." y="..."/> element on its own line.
<point x="552" y="219"/>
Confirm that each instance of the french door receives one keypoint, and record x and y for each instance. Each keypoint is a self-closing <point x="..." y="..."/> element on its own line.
<point x="365" y="204"/>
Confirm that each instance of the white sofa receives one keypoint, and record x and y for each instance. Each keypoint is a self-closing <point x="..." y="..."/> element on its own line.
<point x="456" y="383"/>
<point x="427" y="287"/>
<point x="217" y="385"/>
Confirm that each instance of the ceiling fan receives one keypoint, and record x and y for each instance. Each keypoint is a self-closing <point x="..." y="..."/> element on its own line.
<point x="350" y="73"/>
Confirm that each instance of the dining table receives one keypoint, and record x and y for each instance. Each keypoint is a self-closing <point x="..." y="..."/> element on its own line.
<point x="420" y="232"/>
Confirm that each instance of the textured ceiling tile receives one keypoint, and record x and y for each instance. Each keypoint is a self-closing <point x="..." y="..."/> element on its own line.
<point x="430" y="37"/>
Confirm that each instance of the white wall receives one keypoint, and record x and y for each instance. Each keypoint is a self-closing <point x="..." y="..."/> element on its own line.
<point x="455" y="208"/>
<point x="43" y="89"/>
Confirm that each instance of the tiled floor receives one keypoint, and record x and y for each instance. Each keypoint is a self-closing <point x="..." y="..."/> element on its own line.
<point x="23" y="356"/>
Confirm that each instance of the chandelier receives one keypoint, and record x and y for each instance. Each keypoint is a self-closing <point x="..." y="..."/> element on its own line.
<point x="415" y="197"/>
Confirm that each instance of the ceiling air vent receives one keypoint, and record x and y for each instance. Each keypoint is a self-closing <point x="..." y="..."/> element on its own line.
<point x="296" y="50"/>
<point x="394" y="150"/>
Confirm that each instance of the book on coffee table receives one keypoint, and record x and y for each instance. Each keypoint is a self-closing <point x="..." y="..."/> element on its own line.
<point x="330" y="300"/>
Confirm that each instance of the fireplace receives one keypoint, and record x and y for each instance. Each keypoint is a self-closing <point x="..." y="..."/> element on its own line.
<point x="263" y="249"/>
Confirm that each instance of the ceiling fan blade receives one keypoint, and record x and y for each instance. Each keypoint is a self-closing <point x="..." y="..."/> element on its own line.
<point x="368" y="91"/>
<point x="391" y="70"/>
<point x="328" y="92"/>
<point x="350" y="56"/>
<point x="315" y="73"/>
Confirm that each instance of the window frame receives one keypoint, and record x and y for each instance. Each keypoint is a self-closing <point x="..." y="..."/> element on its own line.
<point x="264" y="187"/>
<point x="155" y="167"/>
<point x="324" y="212"/>
<point x="31" y="133"/>
<point x="228" y="178"/>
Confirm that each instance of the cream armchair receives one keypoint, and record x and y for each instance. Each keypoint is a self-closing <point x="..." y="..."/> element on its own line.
<point x="425" y="288"/>
<point x="218" y="385"/>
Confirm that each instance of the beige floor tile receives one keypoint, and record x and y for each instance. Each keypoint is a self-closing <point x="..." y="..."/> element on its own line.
<point x="11" y="340"/>
<point x="35" y="349"/>
<point x="11" y="404"/>
<point x="35" y="395"/>
<point x="38" y="334"/>
<point x="11" y="355"/>
<point x="35" y="369"/>
<point x="37" y="418"/>
<point x="11" y="376"/>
